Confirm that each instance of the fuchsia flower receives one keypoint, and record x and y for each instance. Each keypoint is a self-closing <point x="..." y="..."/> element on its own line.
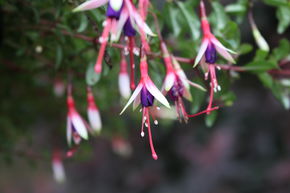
<point x="177" y="86"/>
<point x="120" y="14"/>
<point x="144" y="94"/>
<point x="207" y="54"/>
<point x="76" y="127"/>
<point x="57" y="167"/>
<point x="93" y="113"/>
<point x="124" y="81"/>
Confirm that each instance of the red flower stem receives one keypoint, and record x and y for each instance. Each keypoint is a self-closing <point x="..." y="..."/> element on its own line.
<point x="202" y="112"/>
<point x="103" y="41"/>
<point x="132" y="62"/>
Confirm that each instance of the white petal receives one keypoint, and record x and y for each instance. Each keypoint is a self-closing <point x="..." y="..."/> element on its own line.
<point x="182" y="77"/>
<point x="116" y="4"/>
<point x="196" y="85"/>
<point x="138" y="19"/>
<point x="187" y="94"/>
<point x="134" y="95"/>
<point x="124" y="85"/>
<point x="58" y="171"/>
<point x="91" y="4"/>
<point x="136" y="102"/>
<point x="121" y="22"/>
<point x="95" y="119"/>
<point x="169" y="81"/>
<point x="201" y="51"/>
<point x="142" y="25"/>
<point x="113" y="31"/>
<point x="156" y="93"/>
<point x="79" y="125"/>
<point x="225" y="54"/>
<point x="68" y="131"/>
<point x="219" y="44"/>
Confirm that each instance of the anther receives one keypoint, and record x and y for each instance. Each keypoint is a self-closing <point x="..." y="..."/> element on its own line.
<point x="142" y="134"/>
<point x="155" y="122"/>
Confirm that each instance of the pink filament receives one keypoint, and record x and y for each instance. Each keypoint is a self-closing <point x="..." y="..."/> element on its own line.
<point x="212" y="86"/>
<point x="146" y="113"/>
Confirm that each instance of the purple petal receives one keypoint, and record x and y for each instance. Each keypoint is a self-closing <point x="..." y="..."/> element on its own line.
<point x="147" y="99"/>
<point x="128" y="29"/>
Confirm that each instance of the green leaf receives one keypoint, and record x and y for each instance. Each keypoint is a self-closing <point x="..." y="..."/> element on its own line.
<point x="245" y="48"/>
<point x="228" y="98"/>
<point x="283" y="15"/>
<point x="173" y="18"/>
<point x="277" y="2"/>
<point x="191" y="19"/>
<point x="220" y="16"/>
<point x="235" y="8"/>
<point x="266" y="79"/>
<point x="211" y="118"/>
<point x="260" y="55"/>
<point x="83" y="23"/>
<point x="260" y="66"/>
<point x="91" y="76"/>
<point x="282" y="51"/>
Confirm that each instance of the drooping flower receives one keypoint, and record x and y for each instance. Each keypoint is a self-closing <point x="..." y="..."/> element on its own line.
<point x="124" y="81"/>
<point x="76" y="127"/>
<point x="57" y="167"/>
<point x="210" y="44"/>
<point x="93" y="113"/>
<point x="177" y="86"/>
<point x="207" y="54"/>
<point x="144" y="94"/>
<point x="118" y="13"/>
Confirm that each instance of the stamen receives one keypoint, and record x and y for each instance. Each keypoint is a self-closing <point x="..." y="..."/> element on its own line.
<point x="155" y="122"/>
<point x="142" y="134"/>
<point x="126" y="51"/>
<point x="144" y="118"/>
<point x="154" y="155"/>
<point x="136" y="51"/>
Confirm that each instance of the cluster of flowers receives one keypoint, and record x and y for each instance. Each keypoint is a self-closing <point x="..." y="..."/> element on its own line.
<point x="123" y="16"/>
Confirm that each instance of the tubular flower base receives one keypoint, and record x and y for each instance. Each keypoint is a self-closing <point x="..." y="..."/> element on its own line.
<point x="124" y="81"/>
<point x="144" y="94"/>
